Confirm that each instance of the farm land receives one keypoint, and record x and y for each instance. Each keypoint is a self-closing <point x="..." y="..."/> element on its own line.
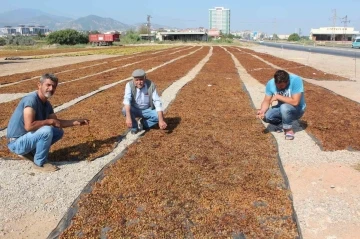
<point x="214" y="173"/>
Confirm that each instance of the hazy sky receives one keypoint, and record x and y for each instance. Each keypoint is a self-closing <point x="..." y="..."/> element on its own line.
<point x="282" y="17"/>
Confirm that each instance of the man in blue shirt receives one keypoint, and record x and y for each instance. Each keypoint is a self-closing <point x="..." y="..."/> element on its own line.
<point x="34" y="127"/>
<point x="288" y="91"/>
<point x="142" y="102"/>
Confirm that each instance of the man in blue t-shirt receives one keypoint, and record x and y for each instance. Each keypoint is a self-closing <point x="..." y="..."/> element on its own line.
<point x="34" y="127"/>
<point x="288" y="91"/>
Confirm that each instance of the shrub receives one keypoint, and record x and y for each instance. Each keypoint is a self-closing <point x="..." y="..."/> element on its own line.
<point x="67" y="37"/>
<point x="130" y="37"/>
<point x="20" y="40"/>
<point x="2" y="41"/>
<point x="294" y="37"/>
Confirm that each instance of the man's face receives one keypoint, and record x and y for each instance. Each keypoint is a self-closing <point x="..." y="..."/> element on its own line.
<point x="139" y="82"/>
<point x="47" y="88"/>
<point x="281" y="85"/>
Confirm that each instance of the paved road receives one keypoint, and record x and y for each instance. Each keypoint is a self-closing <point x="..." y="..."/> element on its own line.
<point x="347" y="52"/>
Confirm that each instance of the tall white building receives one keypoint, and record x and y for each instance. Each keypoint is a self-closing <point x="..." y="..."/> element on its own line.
<point x="219" y="18"/>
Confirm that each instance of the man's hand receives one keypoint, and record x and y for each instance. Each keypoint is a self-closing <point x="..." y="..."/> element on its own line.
<point x="128" y="122"/>
<point x="162" y="124"/>
<point x="81" y="122"/>
<point x="56" y="123"/>
<point x="274" y="98"/>
<point x="260" y="114"/>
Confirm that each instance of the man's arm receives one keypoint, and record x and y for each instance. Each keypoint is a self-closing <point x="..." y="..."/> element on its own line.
<point x="264" y="106"/>
<point x="127" y="103"/>
<point x="68" y="123"/>
<point x="162" y="123"/>
<point x="294" y="100"/>
<point x="128" y="120"/>
<point x="158" y="106"/>
<point x="30" y="124"/>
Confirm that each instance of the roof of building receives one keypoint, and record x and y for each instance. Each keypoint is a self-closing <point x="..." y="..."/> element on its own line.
<point x="182" y="33"/>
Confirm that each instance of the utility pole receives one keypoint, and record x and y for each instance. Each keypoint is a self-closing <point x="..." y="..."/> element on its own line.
<point x="334" y="25"/>
<point x="148" y="26"/>
<point x="345" y="21"/>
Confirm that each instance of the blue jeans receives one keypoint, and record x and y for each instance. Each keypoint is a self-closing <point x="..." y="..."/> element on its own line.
<point x="37" y="142"/>
<point x="285" y="114"/>
<point x="150" y="117"/>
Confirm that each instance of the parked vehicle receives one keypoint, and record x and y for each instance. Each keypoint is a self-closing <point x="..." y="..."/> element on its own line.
<point x="103" y="39"/>
<point x="356" y="43"/>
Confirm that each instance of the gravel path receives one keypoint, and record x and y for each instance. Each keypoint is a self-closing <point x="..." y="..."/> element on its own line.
<point x="324" y="184"/>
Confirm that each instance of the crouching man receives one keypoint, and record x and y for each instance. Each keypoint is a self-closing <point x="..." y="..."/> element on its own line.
<point x="34" y="127"/>
<point x="142" y="104"/>
<point x="288" y="90"/>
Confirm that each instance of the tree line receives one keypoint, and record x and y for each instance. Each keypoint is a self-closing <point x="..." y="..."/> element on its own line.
<point x="73" y="37"/>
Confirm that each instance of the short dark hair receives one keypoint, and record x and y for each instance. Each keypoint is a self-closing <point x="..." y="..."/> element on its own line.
<point x="281" y="76"/>
<point x="49" y="76"/>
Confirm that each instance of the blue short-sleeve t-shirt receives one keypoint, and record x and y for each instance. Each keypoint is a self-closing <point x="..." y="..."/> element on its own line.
<point x="16" y="126"/>
<point x="295" y="86"/>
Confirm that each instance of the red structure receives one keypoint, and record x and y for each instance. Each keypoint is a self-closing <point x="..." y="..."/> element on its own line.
<point x="103" y="39"/>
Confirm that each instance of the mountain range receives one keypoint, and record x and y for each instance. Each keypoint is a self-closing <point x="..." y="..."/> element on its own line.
<point x="28" y="16"/>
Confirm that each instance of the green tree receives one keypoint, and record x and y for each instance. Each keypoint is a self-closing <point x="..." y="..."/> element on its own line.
<point x="294" y="37"/>
<point x="130" y="37"/>
<point x="93" y="32"/>
<point x="275" y="37"/>
<point x="143" y="29"/>
<point x="2" y="41"/>
<point x="20" y="40"/>
<point x="40" y="35"/>
<point x="67" y="37"/>
<point x="230" y="36"/>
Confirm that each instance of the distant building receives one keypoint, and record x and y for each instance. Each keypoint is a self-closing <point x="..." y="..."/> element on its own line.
<point x="219" y="18"/>
<point x="25" y="30"/>
<point x="182" y="36"/>
<point x="283" y="36"/>
<point x="333" y="34"/>
<point x="148" y="37"/>
<point x="214" y="32"/>
<point x="199" y="29"/>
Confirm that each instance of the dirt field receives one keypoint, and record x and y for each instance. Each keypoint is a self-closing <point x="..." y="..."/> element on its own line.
<point x="317" y="187"/>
